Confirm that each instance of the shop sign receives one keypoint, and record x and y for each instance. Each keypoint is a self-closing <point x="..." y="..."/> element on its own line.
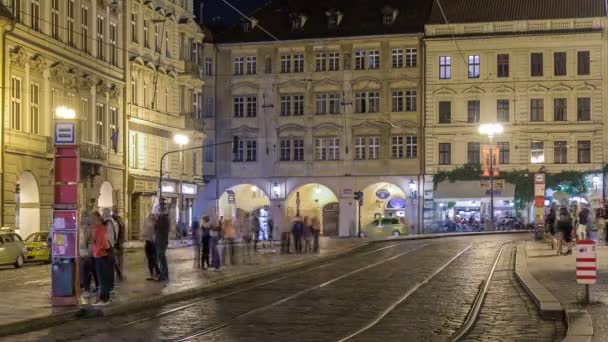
<point x="168" y="188"/>
<point x="189" y="189"/>
<point x="383" y="194"/>
<point x="396" y="203"/>
<point x="65" y="133"/>
<point x="499" y="185"/>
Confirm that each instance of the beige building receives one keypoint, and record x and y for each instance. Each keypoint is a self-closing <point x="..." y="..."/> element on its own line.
<point x="541" y="78"/>
<point x="163" y="99"/>
<point x="330" y="107"/>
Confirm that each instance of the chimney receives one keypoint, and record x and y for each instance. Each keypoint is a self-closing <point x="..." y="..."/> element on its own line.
<point x="200" y="13"/>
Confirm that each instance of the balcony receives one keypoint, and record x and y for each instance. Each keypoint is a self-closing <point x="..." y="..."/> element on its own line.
<point x="93" y="152"/>
<point x="193" y="122"/>
<point x="194" y="70"/>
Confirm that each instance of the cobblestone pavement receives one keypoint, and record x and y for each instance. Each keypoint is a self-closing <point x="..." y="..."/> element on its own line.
<point x="326" y="303"/>
<point x="508" y="313"/>
<point x="558" y="275"/>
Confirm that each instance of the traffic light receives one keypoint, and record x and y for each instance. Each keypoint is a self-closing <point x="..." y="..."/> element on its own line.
<point x="359" y="197"/>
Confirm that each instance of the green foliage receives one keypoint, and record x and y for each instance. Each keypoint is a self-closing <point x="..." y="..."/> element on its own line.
<point x="451" y="205"/>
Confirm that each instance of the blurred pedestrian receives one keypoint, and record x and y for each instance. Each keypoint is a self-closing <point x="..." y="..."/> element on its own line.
<point x="307" y="235"/>
<point x="316" y="232"/>
<point x="583" y="221"/>
<point x="550" y="227"/>
<point x="247" y="235"/>
<point x="255" y="223"/>
<point x="112" y="228"/>
<point x="119" y="243"/>
<point x="286" y="237"/>
<point x="297" y="230"/>
<point x="150" y="248"/>
<point x="196" y="243"/>
<point x="205" y="241"/>
<point x="600" y="224"/>
<point x="87" y="261"/>
<point x="564" y="230"/>
<point x="214" y="240"/>
<point x="161" y="240"/>
<point x="229" y="236"/>
<point x="103" y="266"/>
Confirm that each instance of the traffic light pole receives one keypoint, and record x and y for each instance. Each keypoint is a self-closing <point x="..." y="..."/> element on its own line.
<point x="359" y="225"/>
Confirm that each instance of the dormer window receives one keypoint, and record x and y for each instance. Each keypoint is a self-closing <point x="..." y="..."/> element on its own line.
<point x="389" y="15"/>
<point x="298" y="21"/>
<point x="246" y="26"/>
<point x="334" y="18"/>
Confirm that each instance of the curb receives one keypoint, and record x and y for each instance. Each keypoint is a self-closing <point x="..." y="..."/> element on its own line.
<point x="580" y="326"/>
<point x="138" y="304"/>
<point x="442" y="235"/>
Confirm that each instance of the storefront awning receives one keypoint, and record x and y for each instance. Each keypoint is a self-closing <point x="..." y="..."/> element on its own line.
<point x="471" y="191"/>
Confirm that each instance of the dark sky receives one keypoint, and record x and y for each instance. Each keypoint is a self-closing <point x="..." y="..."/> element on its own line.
<point x="213" y="8"/>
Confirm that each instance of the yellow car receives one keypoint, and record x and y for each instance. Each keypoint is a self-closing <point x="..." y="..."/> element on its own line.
<point x="12" y="248"/>
<point x="37" y="247"/>
<point x="385" y="227"/>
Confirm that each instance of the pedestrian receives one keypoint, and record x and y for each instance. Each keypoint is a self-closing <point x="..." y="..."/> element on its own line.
<point x="316" y="232"/>
<point x="247" y="235"/>
<point x="255" y="223"/>
<point x="103" y="266"/>
<point x="229" y="236"/>
<point x="196" y="243"/>
<point x="205" y="240"/>
<point x="286" y="237"/>
<point x="297" y="230"/>
<point x="150" y="248"/>
<point x="161" y="240"/>
<point x="564" y="231"/>
<point x="600" y="224"/>
<point x="583" y="221"/>
<point x="550" y="226"/>
<point x="214" y="235"/>
<point x="111" y="227"/>
<point x="87" y="261"/>
<point x="307" y="235"/>
<point x="119" y="243"/>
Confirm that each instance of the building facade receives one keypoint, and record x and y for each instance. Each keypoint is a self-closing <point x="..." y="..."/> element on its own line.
<point x="541" y="78"/>
<point x="163" y="98"/>
<point x="324" y="104"/>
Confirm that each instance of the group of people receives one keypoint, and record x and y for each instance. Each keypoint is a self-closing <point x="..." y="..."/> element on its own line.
<point x="101" y="254"/>
<point x="305" y="233"/>
<point x="562" y="226"/>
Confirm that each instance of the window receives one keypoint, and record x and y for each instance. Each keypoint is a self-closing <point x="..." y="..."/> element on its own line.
<point x="16" y="10"/>
<point x="252" y="150"/>
<point x="445" y="153"/>
<point x="298" y="104"/>
<point x="320" y="61"/>
<point x="195" y="104"/>
<point x="359" y="60"/>
<point x="156" y="39"/>
<point x="84" y="29"/>
<point x="208" y="66"/>
<point x="321" y="148"/>
<point x="445" y="112"/>
<point x="560" y="112"/>
<point x="142" y="150"/>
<point x="100" y="44"/>
<point x="334" y="103"/>
<point x="411" y="57"/>
<point x="114" y="127"/>
<point x="445" y="67"/>
<point x="473" y="153"/>
<point x="146" y="37"/>
<point x="360" y="102"/>
<point x="536" y="64"/>
<point x="502" y="110"/>
<point x="194" y="163"/>
<point x="55" y="19"/>
<point x="397" y="58"/>
<point x="359" y="148"/>
<point x="285" y="64"/>
<point x="410" y="101"/>
<point x="146" y="95"/>
<point x="583" y="109"/>
<point x="34" y="108"/>
<point x="327" y="148"/>
<point x="285" y="105"/>
<point x="35" y="14"/>
<point x="134" y="27"/>
<point x="367" y="102"/>
<point x="209" y="106"/>
<point x="504" y="152"/>
<point x="321" y="103"/>
<point x="70" y="24"/>
<point x="387" y="17"/>
<point x="285" y="149"/>
<point x="132" y="149"/>
<point x="560" y="152"/>
<point x="334" y="149"/>
<point x="133" y="90"/>
<point x="584" y="152"/>
<point x="239" y="107"/>
<point x="374" y="59"/>
<point x="327" y="103"/>
<point x="99" y="124"/>
<point x="411" y="146"/>
<point x="209" y="151"/>
<point x="239" y="65"/>
<point x="16" y="103"/>
<point x="252" y="106"/>
<point x="298" y="63"/>
<point x="473" y="111"/>
<point x="332" y="21"/>
<point x="298" y="149"/>
<point x="397" y="101"/>
<point x="113" y="51"/>
<point x="537" y="111"/>
<point x="334" y="61"/>
<point x="87" y="120"/>
<point x="583" y="63"/>
<point x="537" y="152"/>
<point x="167" y="47"/>
<point x="296" y="23"/>
<point x="502" y="65"/>
<point x="373" y="146"/>
<point x="396" y="147"/>
<point x="559" y="63"/>
<point x="473" y="66"/>
<point x="251" y="65"/>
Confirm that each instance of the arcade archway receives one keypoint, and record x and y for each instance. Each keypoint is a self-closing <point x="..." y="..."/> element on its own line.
<point x="386" y="200"/>
<point x="27" y="205"/>
<point x="244" y="201"/>
<point x="106" y="198"/>
<point x="315" y="200"/>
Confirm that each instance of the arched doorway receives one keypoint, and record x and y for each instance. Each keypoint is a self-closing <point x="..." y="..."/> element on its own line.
<point x="106" y="198"/>
<point x="385" y="200"/>
<point x="315" y="200"/>
<point x="242" y="200"/>
<point x="27" y="205"/>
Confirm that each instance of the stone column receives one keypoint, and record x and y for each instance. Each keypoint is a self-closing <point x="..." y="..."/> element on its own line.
<point x="348" y="216"/>
<point x="277" y="212"/>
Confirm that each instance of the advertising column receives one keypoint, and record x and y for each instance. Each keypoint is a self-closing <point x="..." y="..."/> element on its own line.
<point x="539" y="198"/>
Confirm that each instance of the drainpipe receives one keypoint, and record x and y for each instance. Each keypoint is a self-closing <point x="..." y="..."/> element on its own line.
<point x="422" y="143"/>
<point x="4" y="106"/>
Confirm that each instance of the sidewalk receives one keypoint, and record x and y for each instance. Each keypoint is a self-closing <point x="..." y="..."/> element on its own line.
<point x="558" y="275"/>
<point x="25" y="301"/>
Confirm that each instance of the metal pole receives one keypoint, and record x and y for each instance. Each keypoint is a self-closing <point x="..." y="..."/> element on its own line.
<point x="587" y="295"/>
<point x="491" y="184"/>
<point x="298" y="203"/>
<point x="181" y="193"/>
<point x="359" y="225"/>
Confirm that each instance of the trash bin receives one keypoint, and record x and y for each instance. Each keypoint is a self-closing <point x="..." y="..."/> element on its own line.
<point x="63" y="278"/>
<point x="539" y="233"/>
<point x="592" y="234"/>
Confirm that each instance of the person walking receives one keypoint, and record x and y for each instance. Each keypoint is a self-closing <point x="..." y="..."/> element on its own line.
<point x="119" y="225"/>
<point x="286" y="237"/>
<point x="297" y="230"/>
<point x="550" y="227"/>
<point x="111" y="226"/>
<point x="87" y="261"/>
<point x="307" y="235"/>
<point x="255" y="224"/>
<point x="103" y="266"/>
<point x="214" y="235"/>
<point x="205" y="241"/>
<point x="149" y="247"/>
<point x="247" y="235"/>
<point x="229" y="236"/>
<point x="600" y="224"/>
<point x="316" y="233"/>
<point x="564" y="230"/>
<point x="161" y="239"/>
<point x="583" y="221"/>
<point x="196" y="243"/>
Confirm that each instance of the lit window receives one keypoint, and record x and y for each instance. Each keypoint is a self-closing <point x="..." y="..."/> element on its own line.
<point x="537" y="152"/>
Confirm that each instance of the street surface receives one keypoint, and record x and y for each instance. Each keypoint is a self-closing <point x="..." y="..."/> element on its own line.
<point x="395" y="291"/>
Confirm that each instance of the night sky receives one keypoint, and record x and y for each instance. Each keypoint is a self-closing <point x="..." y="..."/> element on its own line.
<point x="214" y="8"/>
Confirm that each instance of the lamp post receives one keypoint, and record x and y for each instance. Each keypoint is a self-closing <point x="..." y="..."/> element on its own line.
<point x="491" y="130"/>
<point x="413" y="195"/>
<point x="181" y="140"/>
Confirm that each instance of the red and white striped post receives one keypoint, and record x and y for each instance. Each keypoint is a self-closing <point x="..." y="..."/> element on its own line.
<point x="586" y="265"/>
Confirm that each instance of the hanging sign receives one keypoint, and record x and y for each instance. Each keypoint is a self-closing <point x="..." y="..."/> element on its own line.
<point x="383" y="194"/>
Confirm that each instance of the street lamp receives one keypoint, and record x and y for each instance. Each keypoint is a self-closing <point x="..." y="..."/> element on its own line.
<point x="276" y="189"/>
<point x="491" y="130"/>
<point x="181" y="140"/>
<point x="412" y="187"/>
